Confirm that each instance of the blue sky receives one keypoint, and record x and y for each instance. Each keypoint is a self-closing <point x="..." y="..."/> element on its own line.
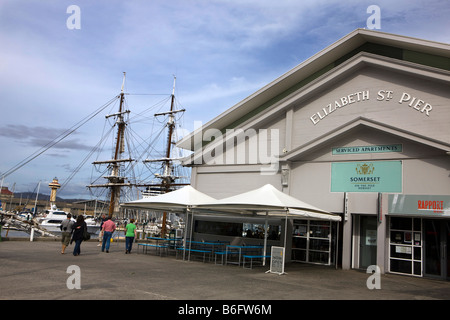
<point x="221" y="51"/>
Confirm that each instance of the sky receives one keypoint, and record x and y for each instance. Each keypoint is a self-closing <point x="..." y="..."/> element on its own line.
<point x="58" y="66"/>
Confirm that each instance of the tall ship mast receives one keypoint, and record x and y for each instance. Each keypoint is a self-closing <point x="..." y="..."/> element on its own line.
<point x="164" y="180"/>
<point x="115" y="180"/>
<point x="167" y="177"/>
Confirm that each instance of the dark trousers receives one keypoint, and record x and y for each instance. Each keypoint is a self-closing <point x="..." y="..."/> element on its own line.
<point x="76" y="249"/>
<point x="128" y="243"/>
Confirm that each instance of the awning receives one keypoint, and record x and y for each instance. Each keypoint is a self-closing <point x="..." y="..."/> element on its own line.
<point x="175" y="201"/>
<point x="270" y="200"/>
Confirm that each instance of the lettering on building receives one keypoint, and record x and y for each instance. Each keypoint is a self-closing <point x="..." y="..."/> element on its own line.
<point x="435" y="206"/>
<point x="403" y="98"/>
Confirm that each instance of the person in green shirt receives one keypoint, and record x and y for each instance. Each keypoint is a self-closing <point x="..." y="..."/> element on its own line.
<point x="130" y="234"/>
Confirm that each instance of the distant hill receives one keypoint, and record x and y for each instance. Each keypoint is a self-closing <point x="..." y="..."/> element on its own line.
<point x="41" y="196"/>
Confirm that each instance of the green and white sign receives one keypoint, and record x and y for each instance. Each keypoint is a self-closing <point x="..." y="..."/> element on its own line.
<point x="366" y="176"/>
<point x="367" y="149"/>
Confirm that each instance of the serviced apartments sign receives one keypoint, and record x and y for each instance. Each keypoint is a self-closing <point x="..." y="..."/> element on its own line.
<point x="367" y="149"/>
<point x="366" y="176"/>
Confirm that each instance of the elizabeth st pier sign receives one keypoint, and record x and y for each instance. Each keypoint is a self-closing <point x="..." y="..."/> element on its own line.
<point x="403" y="98"/>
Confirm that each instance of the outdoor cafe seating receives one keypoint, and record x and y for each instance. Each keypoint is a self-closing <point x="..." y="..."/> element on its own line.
<point x="221" y="252"/>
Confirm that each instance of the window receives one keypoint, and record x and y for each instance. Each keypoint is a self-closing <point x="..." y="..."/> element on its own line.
<point x="257" y="231"/>
<point x="311" y="241"/>
<point x="405" y="254"/>
<point x="237" y="229"/>
<point x="54" y="221"/>
<point x="219" y="228"/>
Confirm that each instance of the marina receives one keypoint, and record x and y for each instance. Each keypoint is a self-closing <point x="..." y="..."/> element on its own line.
<point x="122" y="184"/>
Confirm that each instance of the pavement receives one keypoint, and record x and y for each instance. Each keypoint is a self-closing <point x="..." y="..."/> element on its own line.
<point x="38" y="271"/>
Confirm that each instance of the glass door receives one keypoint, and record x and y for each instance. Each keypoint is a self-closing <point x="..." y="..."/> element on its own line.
<point x="311" y="241"/>
<point x="368" y="241"/>
<point x="436" y="248"/>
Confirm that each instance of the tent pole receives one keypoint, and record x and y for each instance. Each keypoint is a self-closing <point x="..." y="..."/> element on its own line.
<point x="265" y="239"/>
<point x="185" y="233"/>
<point x="190" y="242"/>
<point x="285" y="228"/>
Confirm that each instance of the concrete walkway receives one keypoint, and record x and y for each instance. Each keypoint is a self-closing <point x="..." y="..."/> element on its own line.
<point x="37" y="270"/>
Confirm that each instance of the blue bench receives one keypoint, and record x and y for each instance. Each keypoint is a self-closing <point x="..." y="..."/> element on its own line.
<point x="251" y="259"/>
<point x="156" y="246"/>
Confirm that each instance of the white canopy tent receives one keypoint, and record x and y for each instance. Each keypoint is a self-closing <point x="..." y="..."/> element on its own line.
<point x="266" y="200"/>
<point x="175" y="201"/>
<point x="269" y="201"/>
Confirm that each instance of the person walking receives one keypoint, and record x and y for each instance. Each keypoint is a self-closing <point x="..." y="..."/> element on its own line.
<point x="100" y="236"/>
<point x="66" y="228"/>
<point x="79" y="228"/>
<point x="130" y="234"/>
<point x="108" y="229"/>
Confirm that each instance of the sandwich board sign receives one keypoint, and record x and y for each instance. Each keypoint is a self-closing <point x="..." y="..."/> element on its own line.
<point x="277" y="260"/>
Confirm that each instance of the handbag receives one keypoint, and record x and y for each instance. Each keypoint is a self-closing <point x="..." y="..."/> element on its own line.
<point x="86" y="235"/>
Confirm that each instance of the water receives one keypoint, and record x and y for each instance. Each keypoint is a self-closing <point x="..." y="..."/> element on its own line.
<point x="14" y="234"/>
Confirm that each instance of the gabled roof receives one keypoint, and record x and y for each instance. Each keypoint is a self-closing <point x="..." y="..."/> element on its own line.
<point x="418" y="51"/>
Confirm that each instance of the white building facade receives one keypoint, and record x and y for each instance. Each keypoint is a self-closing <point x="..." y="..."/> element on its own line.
<point x="361" y="129"/>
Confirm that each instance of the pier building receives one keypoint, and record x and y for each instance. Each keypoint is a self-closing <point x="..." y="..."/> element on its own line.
<point x="360" y="129"/>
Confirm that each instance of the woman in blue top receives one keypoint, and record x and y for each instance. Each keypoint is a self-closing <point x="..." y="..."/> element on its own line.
<point x="130" y="234"/>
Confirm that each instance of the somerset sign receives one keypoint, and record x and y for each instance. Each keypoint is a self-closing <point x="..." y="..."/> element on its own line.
<point x="366" y="176"/>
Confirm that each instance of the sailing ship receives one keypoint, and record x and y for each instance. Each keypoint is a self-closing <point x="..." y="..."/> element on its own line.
<point x="122" y="182"/>
<point x="126" y="180"/>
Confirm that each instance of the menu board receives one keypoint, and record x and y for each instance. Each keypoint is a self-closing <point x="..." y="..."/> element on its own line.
<point x="277" y="260"/>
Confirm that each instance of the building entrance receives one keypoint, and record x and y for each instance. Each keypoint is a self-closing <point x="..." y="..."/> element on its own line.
<point x="437" y="252"/>
<point x="368" y="241"/>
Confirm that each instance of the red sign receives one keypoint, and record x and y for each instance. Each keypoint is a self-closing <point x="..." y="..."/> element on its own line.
<point x="436" y="206"/>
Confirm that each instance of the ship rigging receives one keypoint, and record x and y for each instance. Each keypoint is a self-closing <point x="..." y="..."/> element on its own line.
<point x="135" y="163"/>
<point x="121" y="168"/>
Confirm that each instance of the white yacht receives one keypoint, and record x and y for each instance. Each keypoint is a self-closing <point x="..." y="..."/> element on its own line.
<point x="53" y="218"/>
